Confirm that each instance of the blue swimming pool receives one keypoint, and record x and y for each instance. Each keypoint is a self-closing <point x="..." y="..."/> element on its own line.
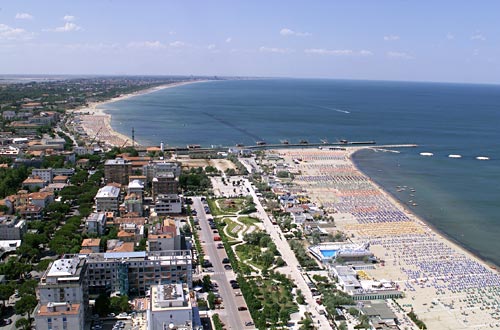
<point x="328" y="253"/>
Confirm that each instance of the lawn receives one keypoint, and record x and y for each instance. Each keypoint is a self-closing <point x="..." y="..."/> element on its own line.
<point x="231" y="205"/>
<point x="250" y="254"/>
<point x="249" y="221"/>
<point x="232" y="228"/>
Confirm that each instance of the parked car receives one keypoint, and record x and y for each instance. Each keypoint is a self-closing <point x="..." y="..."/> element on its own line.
<point x="242" y="308"/>
<point x="225" y="261"/>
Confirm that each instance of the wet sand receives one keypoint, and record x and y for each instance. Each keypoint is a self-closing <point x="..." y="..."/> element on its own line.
<point x="447" y="286"/>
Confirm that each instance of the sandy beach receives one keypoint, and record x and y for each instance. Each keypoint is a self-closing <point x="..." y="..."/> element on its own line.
<point x="447" y="286"/>
<point x="96" y="122"/>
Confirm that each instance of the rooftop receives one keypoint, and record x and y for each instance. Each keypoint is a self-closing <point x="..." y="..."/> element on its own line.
<point x="91" y="242"/>
<point x="108" y="191"/>
<point x="64" y="267"/>
<point x="117" y="161"/>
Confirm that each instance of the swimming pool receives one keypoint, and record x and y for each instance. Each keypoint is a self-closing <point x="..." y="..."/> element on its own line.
<point x="328" y="253"/>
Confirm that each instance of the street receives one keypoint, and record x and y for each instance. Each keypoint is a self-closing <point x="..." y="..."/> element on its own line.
<point x="235" y="319"/>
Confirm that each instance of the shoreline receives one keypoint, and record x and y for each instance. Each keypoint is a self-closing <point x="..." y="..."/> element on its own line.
<point x="96" y="121"/>
<point x="438" y="277"/>
<point x="433" y="228"/>
<point x="421" y="219"/>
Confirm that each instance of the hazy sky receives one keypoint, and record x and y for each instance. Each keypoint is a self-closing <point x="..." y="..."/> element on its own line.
<point x="423" y="40"/>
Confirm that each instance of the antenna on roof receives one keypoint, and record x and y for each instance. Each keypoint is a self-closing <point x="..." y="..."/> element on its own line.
<point x="133" y="138"/>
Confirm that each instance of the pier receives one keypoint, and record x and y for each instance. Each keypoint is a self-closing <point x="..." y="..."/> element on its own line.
<point x="325" y="146"/>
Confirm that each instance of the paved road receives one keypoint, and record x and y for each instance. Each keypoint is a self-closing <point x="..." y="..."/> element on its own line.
<point x="291" y="260"/>
<point x="235" y="319"/>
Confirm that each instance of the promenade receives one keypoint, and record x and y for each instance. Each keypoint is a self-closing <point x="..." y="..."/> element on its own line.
<point x="292" y="269"/>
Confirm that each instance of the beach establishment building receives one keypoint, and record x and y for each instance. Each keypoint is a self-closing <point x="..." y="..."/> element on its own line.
<point x="348" y="279"/>
<point x="379" y="314"/>
<point x="117" y="170"/>
<point x="107" y="199"/>
<point x="325" y="252"/>
<point x="171" y="308"/>
<point x="62" y="295"/>
<point x="133" y="273"/>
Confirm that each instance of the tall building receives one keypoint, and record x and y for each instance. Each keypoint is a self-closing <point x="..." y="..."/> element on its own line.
<point x="107" y="199"/>
<point x="63" y="295"/>
<point x="154" y="169"/>
<point x="117" y="170"/>
<point x="135" y="272"/>
<point x="170" y="308"/>
<point x="165" y="183"/>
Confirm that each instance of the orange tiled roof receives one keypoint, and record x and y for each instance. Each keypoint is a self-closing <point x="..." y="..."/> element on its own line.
<point x="91" y="242"/>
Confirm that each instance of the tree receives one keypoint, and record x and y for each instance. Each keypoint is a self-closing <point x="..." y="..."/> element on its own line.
<point x="23" y="324"/>
<point x="207" y="283"/>
<point x="6" y="290"/>
<point x="211" y="300"/>
<point x="102" y="304"/>
<point x="120" y="304"/>
<point x="26" y="305"/>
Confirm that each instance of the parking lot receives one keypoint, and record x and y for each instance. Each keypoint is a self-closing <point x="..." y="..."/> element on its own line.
<point x="231" y="186"/>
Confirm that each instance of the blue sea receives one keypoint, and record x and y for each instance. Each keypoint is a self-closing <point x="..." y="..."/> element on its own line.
<point x="459" y="197"/>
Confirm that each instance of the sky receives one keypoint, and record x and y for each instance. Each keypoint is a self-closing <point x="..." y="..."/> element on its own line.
<point x="446" y="41"/>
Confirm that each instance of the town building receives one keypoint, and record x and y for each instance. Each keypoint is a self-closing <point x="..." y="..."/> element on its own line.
<point x="96" y="223"/>
<point x="165" y="184"/>
<point x="12" y="228"/>
<point x="45" y="174"/>
<point x="136" y="187"/>
<point x="117" y="170"/>
<point x="107" y="199"/>
<point x="62" y="294"/>
<point x="165" y="236"/>
<point x="168" y="204"/>
<point x="170" y="307"/>
<point x="136" y="272"/>
<point x="91" y="245"/>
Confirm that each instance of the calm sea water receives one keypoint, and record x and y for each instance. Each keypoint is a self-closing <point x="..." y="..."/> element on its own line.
<point x="460" y="197"/>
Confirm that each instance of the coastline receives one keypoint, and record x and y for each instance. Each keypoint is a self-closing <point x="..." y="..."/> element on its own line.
<point x="440" y="278"/>
<point x="419" y="218"/>
<point x="96" y="121"/>
<point x="422" y="219"/>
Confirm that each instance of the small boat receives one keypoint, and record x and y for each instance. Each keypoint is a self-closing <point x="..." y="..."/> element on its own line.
<point x="343" y="141"/>
<point x="284" y="141"/>
<point x="427" y="154"/>
<point x="303" y="142"/>
<point x="261" y="143"/>
<point x="482" y="158"/>
<point x="454" y="156"/>
<point x="240" y="145"/>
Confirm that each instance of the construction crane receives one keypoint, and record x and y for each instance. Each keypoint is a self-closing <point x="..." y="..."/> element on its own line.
<point x="97" y="134"/>
<point x="124" y="143"/>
